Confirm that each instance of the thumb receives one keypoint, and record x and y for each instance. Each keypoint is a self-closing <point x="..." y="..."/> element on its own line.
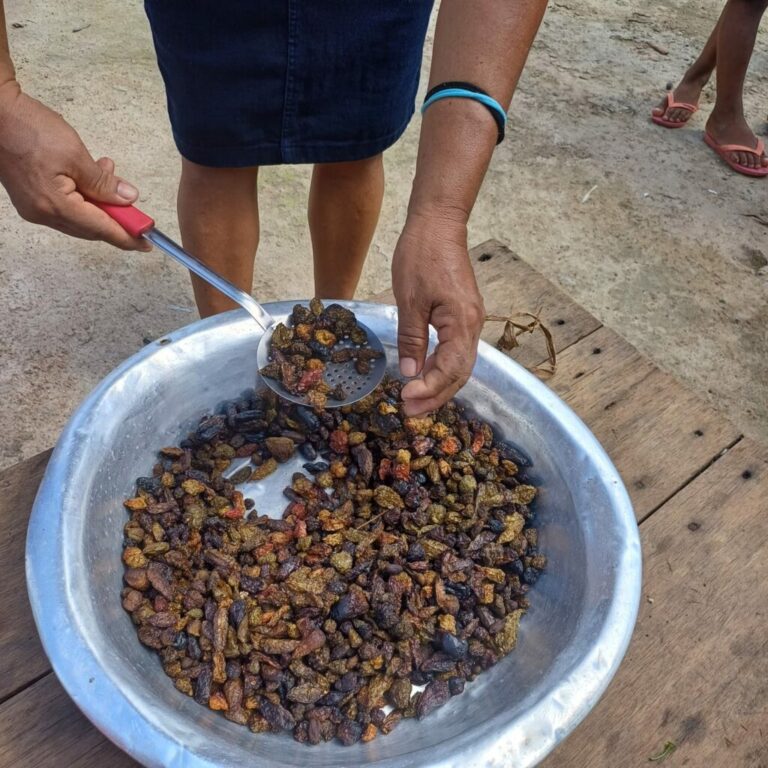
<point x="97" y="180"/>
<point x="412" y="337"/>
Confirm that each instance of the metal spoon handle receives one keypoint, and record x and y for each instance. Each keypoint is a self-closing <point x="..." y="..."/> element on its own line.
<point x="138" y="224"/>
<point x="246" y="301"/>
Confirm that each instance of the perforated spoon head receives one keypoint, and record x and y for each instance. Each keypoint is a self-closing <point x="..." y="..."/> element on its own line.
<point x="355" y="385"/>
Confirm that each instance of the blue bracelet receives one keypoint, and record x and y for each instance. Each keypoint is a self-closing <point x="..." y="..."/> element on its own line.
<point x="449" y="90"/>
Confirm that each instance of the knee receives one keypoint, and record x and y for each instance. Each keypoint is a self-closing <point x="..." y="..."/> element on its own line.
<point x="353" y="170"/>
<point x="193" y="173"/>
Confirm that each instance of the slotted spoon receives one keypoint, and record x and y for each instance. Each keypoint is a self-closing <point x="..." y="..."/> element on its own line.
<point x="356" y="385"/>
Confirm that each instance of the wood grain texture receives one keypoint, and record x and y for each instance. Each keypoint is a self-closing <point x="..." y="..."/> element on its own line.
<point x="658" y="433"/>
<point x="640" y="414"/>
<point x="697" y="670"/>
<point x="508" y="286"/>
<point x="42" y="728"/>
<point x="21" y="655"/>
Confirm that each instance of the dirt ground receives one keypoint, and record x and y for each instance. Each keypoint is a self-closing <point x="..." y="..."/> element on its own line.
<point x="642" y="226"/>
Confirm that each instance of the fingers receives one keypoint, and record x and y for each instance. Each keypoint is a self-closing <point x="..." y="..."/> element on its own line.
<point x="106" y="164"/>
<point x="448" y="369"/>
<point x="50" y="175"/>
<point x="72" y="214"/>
<point x="78" y="217"/>
<point x="97" y="181"/>
<point x="82" y="219"/>
<point x="445" y="373"/>
<point x="434" y="284"/>
<point x="412" y="336"/>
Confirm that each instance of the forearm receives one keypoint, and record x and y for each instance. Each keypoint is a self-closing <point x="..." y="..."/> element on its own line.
<point x="7" y="71"/>
<point x="484" y="42"/>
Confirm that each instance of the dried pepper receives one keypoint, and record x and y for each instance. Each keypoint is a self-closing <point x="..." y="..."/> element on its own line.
<point x="313" y="337"/>
<point x="403" y="559"/>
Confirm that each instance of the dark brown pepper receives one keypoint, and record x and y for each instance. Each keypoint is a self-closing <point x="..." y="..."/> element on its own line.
<point x="299" y="351"/>
<point x="433" y="696"/>
<point x="278" y="717"/>
<point x="404" y="557"/>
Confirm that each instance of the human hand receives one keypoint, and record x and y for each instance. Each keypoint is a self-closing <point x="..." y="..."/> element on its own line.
<point x="434" y="283"/>
<point x="48" y="172"/>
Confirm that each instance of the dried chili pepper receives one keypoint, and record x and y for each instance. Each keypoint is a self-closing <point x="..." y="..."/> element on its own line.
<point x="314" y="336"/>
<point x="404" y="557"/>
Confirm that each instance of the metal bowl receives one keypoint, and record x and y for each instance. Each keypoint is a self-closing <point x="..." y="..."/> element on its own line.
<point x="570" y="642"/>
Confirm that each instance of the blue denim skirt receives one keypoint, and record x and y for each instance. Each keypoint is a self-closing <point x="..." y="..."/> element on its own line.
<point x="264" y="82"/>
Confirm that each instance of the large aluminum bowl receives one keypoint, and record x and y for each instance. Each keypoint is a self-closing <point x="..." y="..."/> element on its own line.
<point x="570" y="643"/>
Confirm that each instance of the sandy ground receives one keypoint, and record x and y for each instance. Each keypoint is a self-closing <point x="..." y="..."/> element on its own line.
<point x="667" y="248"/>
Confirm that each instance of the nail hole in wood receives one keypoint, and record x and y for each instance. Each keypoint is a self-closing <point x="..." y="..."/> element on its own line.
<point x="485" y="257"/>
<point x="694" y="526"/>
<point x="596" y="351"/>
<point x="698" y="433"/>
<point x="746" y="474"/>
<point x="579" y="375"/>
<point x="559" y="322"/>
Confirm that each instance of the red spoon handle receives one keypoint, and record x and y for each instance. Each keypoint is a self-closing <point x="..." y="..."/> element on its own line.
<point x="131" y="219"/>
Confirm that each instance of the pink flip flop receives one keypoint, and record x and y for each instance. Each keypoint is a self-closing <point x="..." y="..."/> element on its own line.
<point x="725" y="149"/>
<point x="672" y="104"/>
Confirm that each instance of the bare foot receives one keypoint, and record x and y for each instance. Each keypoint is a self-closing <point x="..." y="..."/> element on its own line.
<point x="687" y="92"/>
<point x="734" y="130"/>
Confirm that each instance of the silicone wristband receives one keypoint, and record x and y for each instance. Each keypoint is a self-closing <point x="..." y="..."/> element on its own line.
<point x="468" y="91"/>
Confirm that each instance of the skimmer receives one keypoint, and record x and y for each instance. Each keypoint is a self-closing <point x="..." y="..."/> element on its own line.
<point x="355" y="385"/>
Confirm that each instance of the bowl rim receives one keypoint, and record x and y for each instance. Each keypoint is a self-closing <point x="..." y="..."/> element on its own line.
<point x="73" y="660"/>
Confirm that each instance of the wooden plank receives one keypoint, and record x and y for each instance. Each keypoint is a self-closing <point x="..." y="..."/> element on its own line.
<point x="641" y="415"/>
<point x="697" y="670"/>
<point x="21" y="655"/>
<point x="509" y="285"/>
<point x="42" y="728"/>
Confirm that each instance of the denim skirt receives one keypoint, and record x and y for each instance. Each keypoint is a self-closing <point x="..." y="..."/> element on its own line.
<point x="264" y="82"/>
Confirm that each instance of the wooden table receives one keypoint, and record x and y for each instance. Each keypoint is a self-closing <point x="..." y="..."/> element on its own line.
<point x="696" y="673"/>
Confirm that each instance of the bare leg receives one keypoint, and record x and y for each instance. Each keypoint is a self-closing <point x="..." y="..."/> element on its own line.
<point x="219" y="221"/>
<point x="689" y="89"/>
<point x="344" y="205"/>
<point x="736" y="39"/>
